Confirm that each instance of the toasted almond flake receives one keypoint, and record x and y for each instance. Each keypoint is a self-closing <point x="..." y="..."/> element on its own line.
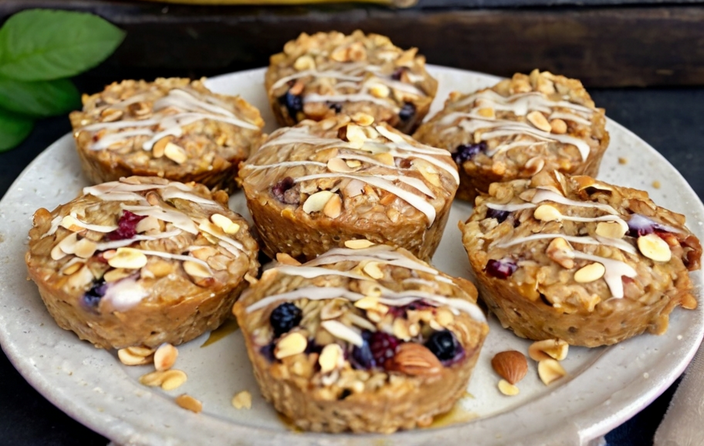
<point x="134" y="356"/>
<point x="69" y="223"/>
<point x="338" y="165"/>
<point x="400" y="329"/>
<point x="175" y="153"/>
<point x="358" y="244"/>
<point x="57" y="253"/>
<point x="539" y="121"/>
<point x="611" y="229"/>
<point x="116" y="274"/>
<point x="558" y="126"/>
<point x="225" y="224"/>
<point x="149" y="223"/>
<point x="548" y="349"/>
<point x="195" y="269"/>
<point x="72" y="268"/>
<point x="333" y="208"/>
<point x="189" y="403"/>
<point x="354" y="133"/>
<point x="549" y="370"/>
<point x="291" y="344"/>
<point x="68" y="244"/>
<point x="128" y="258"/>
<point x="373" y="270"/>
<point x="507" y="388"/>
<point x="362" y="118"/>
<point x="545" y="212"/>
<point x="152" y="379"/>
<point x="486" y="112"/>
<point x="242" y="400"/>
<point x="385" y="158"/>
<point x="379" y="90"/>
<point x="304" y="62"/>
<point x="173" y="379"/>
<point x="654" y="248"/>
<point x="165" y="356"/>
<point x="286" y="259"/>
<point x="331" y="357"/>
<point x="364" y="323"/>
<point x="561" y="252"/>
<point x="341" y="331"/>
<point x="85" y="248"/>
<point x="367" y="303"/>
<point x="589" y="273"/>
<point x="317" y="201"/>
<point x="80" y="278"/>
<point x="160" y="146"/>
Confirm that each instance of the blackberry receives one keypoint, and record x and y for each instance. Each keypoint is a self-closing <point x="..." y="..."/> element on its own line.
<point x="383" y="347"/>
<point x="285" y="192"/>
<point x="443" y="345"/>
<point x="284" y="318"/>
<point x="500" y="269"/>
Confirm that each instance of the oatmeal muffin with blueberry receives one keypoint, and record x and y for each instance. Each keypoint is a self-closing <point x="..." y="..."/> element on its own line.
<point x="319" y="76"/>
<point x="171" y="128"/>
<point x="313" y="186"/>
<point x="362" y="339"/>
<point x="517" y="128"/>
<point x="141" y="261"/>
<point x="574" y="258"/>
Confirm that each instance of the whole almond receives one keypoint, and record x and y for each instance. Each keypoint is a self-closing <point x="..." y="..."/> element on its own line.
<point x="511" y="365"/>
<point x="416" y="359"/>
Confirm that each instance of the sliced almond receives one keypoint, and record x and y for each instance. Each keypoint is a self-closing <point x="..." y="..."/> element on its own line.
<point x="341" y="331"/>
<point x="338" y="165"/>
<point x="611" y="229"/>
<point x="428" y="172"/>
<point x="358" y="244"/>
<point x="128" y="258"/>
<point x="545" y="212"/>
<point x="57" y="253"/>
<point x="379" y="90"/>
<point x="85" y="248"/>
<point x="558" y="126"/>
<point x="289" y="345"/>
<point x="507" y="388"/>
<point x="165" y="356"/>
<point x="400" y="329"/>
<point x="539" y="121"/>
<point x="69" y="223"/>
<point x="189" y="403"/>
<point x="352" y="133"/>
<point x="304" y="62"/>
<point x="173" y="379"/>
<point x="561" y="252"/>
<point x="589" y="273"/>
<point x="654" y="248"/>
<point x="72" y="268"/>
<point x="373" y="270"/>
<point x="331" y="357"/>
<point x="367" y="303"/>
<point x="317" y="201"/>
<point x="242" y="400"/>
<point x="548" y="349"/>
<point x="196" y="269"/>
<point x="175" y="153"/>
<point x="333" y="208"/>
<point x="81" y="278"/>
<point x="511" y="365"/>
<point x="160" y="146"/>
<point x="68" y="244"/>
<point x="363" y="119"/>
<point x="332" y="310"/>
<point x="111" y="114"/>
<point x="149" y="223"/>
<point x="486" y="112"/>
<point x="224" y="223"/>
<point x="135" y="355"/>
<point x="286" y="259"/>
<point x="117" y="274"/>
<point x="353" y="163"/>
<point x="549" y="370"/>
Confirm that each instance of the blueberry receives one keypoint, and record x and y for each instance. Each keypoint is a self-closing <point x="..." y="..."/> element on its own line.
<point x="284" y="318"/>
<point x="407" y="111"/>
<point x="501" y="269"/>
<point x="396" y="75"/>
<point x="293" y="103"/>
<point x="268" y="352"/>
<point x="466" y="152"/>
<point x="639" y="225"/>
<point x="335" y="106"/>
<point x="499" y="215"/>
<point x="443" y="345"/>
<point x="92" y="297"/>
<point x="361" y="357"/>
<point x="284" y="192"/>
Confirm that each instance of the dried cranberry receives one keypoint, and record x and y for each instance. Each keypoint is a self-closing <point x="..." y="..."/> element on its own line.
<point x="92" y="297"/>
<point x="396" y="75"/>
<point x="499" y="215"/>
<point x="401" y="311"/>
<point x="361" y="357"/>
<point x="383" y="347"/>
<point x="293" y="103"/>
<point x="284" y="191"/>
<point x="126" y="226"/>
<point x="466" y="152"/>
<point x="444" y="345"/>
<point x="407" y="111"/>
<point x="284" y="318"/>
<point x="501" y="269"/>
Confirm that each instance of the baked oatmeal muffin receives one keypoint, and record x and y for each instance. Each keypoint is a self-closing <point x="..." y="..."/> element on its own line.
<point x="578" y="259"/>
<point x="141" y="261"/>
<point x="313" y="186"/>
<point x="171" y="128"/>
<point x="368" y="339"/>
<point x="517" y="128"/>
<point x="319" y="76"/>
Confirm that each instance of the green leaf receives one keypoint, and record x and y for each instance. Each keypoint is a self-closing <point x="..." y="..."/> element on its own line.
<point x="41" y="44"/>
<point x="13" y="130"/>
<point x="39" y="99"/>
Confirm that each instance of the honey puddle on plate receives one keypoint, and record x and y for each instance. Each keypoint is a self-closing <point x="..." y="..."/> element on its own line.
<point x="230" y="326"/>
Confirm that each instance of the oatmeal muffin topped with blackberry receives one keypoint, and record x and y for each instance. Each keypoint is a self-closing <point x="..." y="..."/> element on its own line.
<point x="319" y="76"/>
<point x="141" y="261"/>
<point x="518" y="128"/>
<point x="313" y="186"/>
<point x="578" y="259"/>
<point x="172" y="128"/>
<point x="367" y="339"/>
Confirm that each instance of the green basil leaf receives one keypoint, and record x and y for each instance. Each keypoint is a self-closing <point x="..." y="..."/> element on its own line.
<point x="39" y="99"/>
<point x="13" y="129"/>
<point x="41" y="44"/>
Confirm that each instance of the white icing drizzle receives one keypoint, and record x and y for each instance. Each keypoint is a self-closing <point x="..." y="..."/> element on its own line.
<point x="168" y="255"/>
<point x="357" y="97"/>
<point x="583" y="239"/>
<point x="97" y="228"/>
<point x="170" y="193"/>
<point x="376" y="253"/>
<point x="224" y="241"/>
<point x="284" y="164"/>
<point x="414" y="200"/>
<point x="177" y="218"/>
<point x="104" y="246"/>
<point x="55" y="222"/>
<point x="125" y="294"/>
<point x="548" y="195"/>
<point x="510" y="207"/>
<point x="329" y="74"/>
<point x="614" y="270"/>
<point x="299" y="135"/>
<point x="569" y="117"/>
<point x="310" y="272"/>
<point x="108" y="140"/>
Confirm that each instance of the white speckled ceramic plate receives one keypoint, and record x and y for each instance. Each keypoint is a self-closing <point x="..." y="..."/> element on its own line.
<point x="605" y="386"/>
